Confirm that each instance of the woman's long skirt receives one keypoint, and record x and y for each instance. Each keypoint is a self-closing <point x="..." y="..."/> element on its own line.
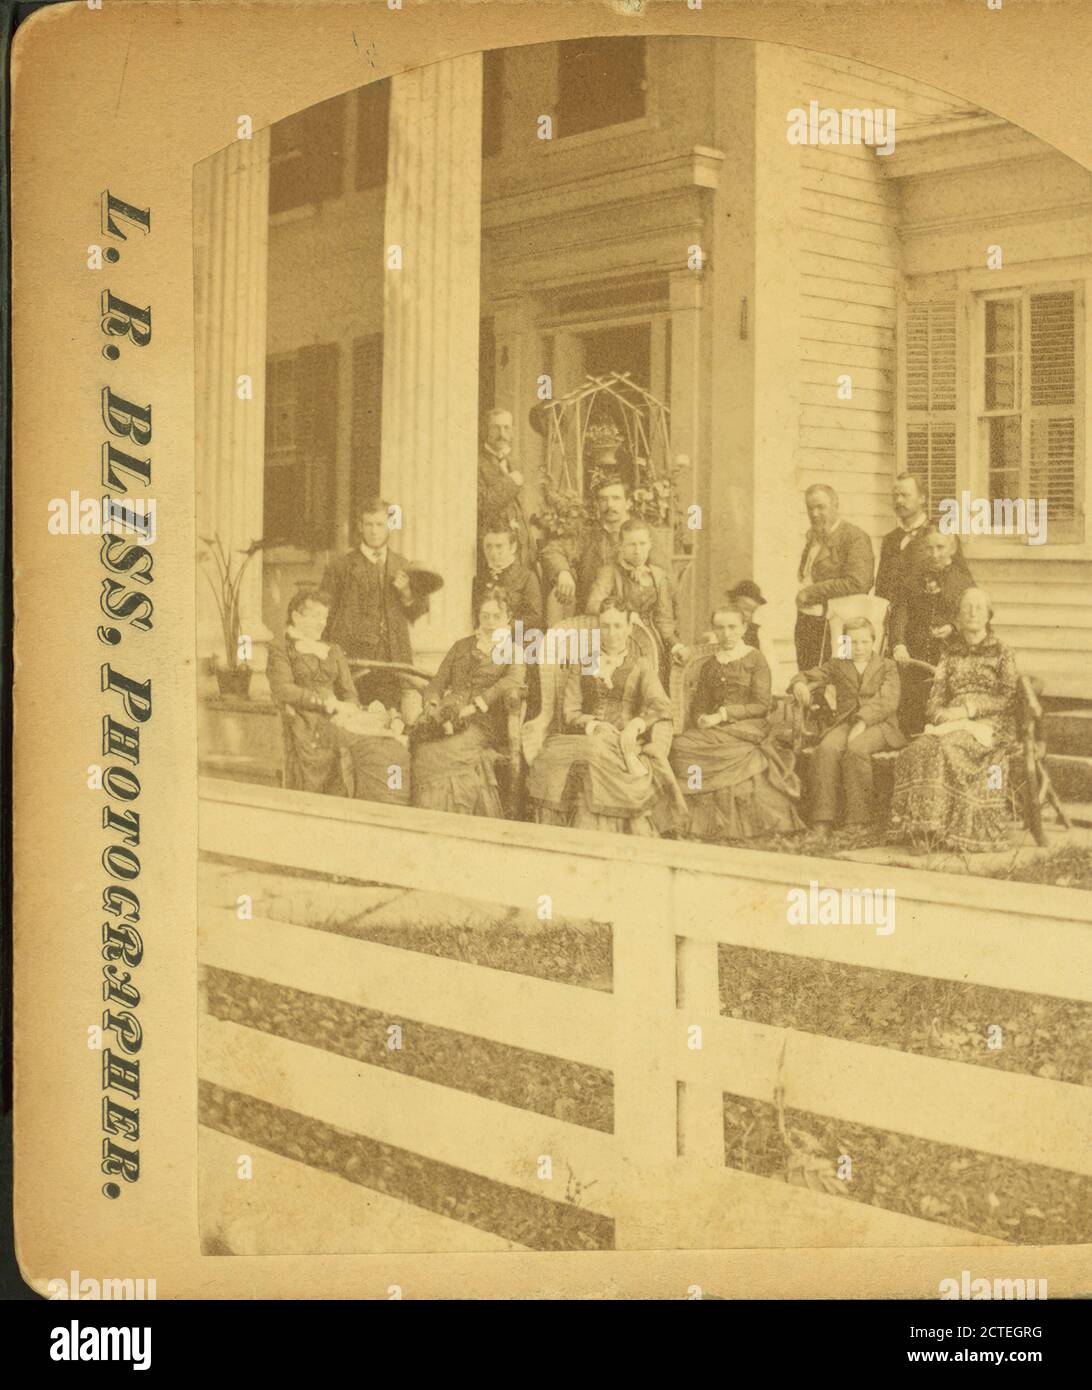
<point x="585" y="782"/>
<point x="317" y="753"/>
<point x="738" y="784"/>
<point x="951" y="792"/>
<point x="458" y="773"/>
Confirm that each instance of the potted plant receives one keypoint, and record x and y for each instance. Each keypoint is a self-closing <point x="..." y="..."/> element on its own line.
<point x="232" y="674"/>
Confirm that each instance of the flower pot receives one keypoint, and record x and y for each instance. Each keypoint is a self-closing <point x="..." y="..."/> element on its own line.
<point x="233" y="681"/>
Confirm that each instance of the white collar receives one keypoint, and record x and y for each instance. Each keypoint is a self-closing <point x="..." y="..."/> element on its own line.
<point x="914" y="526"/>
<point x="737" y="653"/>
<point x="375" y="556"/>
<point x="308" y="646"/>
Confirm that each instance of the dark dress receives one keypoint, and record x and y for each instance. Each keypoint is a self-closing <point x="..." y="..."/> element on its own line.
<point x="944" y="793"/>
<point x="747" y="784"/>
<point x="585" y="780"/>
<point x="457" y="771"/>
<point x="300" y="683"/>
<point x="648" y="594"/>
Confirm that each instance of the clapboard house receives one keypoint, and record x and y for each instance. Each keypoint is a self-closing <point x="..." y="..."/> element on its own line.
<point x="394" y="260"/>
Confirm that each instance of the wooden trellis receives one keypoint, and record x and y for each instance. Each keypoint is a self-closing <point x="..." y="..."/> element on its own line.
<point x="641" y="419"/>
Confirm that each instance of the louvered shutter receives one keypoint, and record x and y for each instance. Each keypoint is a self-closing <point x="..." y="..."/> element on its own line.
<point x="367" y="426"/>
<point x="1052" y="329"/>
<point x="930" y="398"/>
<point x="316" y="444"/>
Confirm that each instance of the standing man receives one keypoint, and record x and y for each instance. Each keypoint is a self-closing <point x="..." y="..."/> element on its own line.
<point x="902" y="550"/>
<point x="837" y="560"/>
<point x="500" y="484"/>
<point x="373" y="601"/>
<point x="923" y="619"/>
<point x="569" y="568"/>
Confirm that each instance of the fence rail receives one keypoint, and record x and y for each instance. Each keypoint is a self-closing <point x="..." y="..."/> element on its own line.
<point x="659" y="1176"/>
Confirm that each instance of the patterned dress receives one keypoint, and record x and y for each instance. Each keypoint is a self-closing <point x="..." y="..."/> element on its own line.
<point x="457" y="771"/>
<point x="315" y="747"/>
<point x="585" y="779"/>
<point x="747" y="785"/>
<point x="951" y="790"/>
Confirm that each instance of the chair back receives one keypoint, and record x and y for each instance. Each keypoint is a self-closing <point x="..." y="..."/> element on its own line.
<point x="552" y="676"/>
<point x="840" y="610"/>
<point x="684" y="678"/>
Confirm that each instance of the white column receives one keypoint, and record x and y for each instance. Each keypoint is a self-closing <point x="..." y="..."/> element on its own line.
<point x="429" y="460"/>
<point x="521" y="360"/>
<point x="686" y="369"/>
<point x="231" y="222"/>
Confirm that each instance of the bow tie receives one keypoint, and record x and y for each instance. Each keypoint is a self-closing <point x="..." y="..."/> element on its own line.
<point x="496" y="575"/>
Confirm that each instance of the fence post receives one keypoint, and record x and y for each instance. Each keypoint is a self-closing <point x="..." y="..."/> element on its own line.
<point x="645" y="1077"/>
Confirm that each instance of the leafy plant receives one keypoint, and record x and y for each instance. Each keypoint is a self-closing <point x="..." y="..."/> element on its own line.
<point x="225" y="590"/>
<point x="565" y="514"/>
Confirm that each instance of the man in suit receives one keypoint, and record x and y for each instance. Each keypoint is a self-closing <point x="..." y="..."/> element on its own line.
<point x="836" y="561"/>
<point x="902" y="550"/>
<point x="500" y="484"/>
<point x="923" y="618"/>
<point x="866" y="688"/>
<point x="502" y="570"/>
<point x="372" y="604"/>
<point x="570" y="568"/>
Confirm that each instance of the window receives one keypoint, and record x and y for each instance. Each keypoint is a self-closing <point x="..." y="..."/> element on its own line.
<point x="600" y="82"/>
<point x="1029" y="402"/>
<point x="306" y="152"/>
<point x="373" y="107"/>
<point x="300" y="447"/>
<point x="930" y="398"/>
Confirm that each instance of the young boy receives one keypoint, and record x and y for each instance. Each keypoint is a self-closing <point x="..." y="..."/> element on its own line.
<point x="867" y="700"/>
<point x="372" y="604"/>
<point x="502" y="570"/>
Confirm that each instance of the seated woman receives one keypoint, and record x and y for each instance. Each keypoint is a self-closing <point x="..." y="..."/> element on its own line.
<point x="737" y="783"/>
<point x="312" y="678"/>
<point x="604" y="771"/>
<point x="951" y="783"/>
<point x="460" y="734"/>
<point x="642" y="588"/>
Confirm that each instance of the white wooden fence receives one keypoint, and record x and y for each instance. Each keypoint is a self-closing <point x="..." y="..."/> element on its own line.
<point x="661" y="1175"/>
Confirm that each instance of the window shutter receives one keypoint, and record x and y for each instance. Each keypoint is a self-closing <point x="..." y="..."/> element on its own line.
<point x="316" y="444"/>
<point x="930" y="398"/>
<point x="367" y="424"/>
<point x="1053" y="385"/>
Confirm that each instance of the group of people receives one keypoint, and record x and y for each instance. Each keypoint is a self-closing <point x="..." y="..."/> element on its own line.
<point x="612" y="759"/>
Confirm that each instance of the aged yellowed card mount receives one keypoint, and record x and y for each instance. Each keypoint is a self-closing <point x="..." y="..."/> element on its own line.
<point x="553" y="735"/>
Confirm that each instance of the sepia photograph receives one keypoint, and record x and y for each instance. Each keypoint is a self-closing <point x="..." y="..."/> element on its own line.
<point x="644" y="713"/>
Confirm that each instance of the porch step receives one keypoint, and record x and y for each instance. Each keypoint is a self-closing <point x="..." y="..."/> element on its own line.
<point x="1072" y="776"/>
<point x="1069" y="731"/>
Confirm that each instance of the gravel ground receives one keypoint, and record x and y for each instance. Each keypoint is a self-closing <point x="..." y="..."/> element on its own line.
<point x="1040" y="1036"/>
<point x="536" y="1222"/>
<point x="563" y="1090"/>
<point x="1023" y="1203"/>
